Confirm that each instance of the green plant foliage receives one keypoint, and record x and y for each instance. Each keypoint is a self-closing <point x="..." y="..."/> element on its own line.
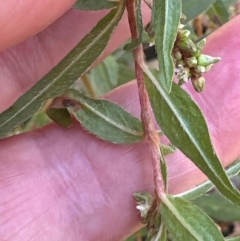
<point x="127" y="74"/>
<point x="163" y="167"/>
<point x="188" y="132"/>
<point x="220" y="10"/>
<point x="237" y="238"/>
<point x="104" y="77"/>
<point x="63" y="75"/>
<point x="185" y="221"/>
<point x="107" y="120"/>
<point x="125" y="63"/>
<point x="167" y="149"/>
<point x="166" y="217"/>
<point x="166" y="17"/>
<point x="161" y="235"/>
<point x="227" y="3"/>
<point x="192" y="8"/>
<point x="142" y="233"/>
<point x="60" y="116"/>
<point x="136" y="42"/>
<point x="112" y="72"/>
<point x="139" y="20"/>
<point x="218" y="207"/>
<point x="38" y="120"/>
<point x="94" y="4"/>
<point x="199" y="190"/>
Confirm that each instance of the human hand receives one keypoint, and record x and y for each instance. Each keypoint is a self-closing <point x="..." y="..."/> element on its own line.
<point x="65" y="184"/>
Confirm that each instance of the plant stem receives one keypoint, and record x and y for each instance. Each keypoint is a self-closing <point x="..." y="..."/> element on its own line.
<point x="88" y="86"/>
<point x="146" y="114"/>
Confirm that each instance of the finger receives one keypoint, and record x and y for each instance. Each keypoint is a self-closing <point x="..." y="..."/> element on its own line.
<point x="220" y="99"/>
<point x="54" y="172"/>
<point x="70" y="186"/>
<point x="23" y="65"/>
<point x="70" y="142"/>
<point x="68" y="173"/>
<point x="23" y="19"/>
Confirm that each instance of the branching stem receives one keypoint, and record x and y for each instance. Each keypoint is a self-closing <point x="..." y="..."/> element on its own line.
<point x="146" y="114"/>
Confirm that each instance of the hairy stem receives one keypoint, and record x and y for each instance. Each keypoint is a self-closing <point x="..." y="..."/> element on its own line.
<point x="146" y="113"/>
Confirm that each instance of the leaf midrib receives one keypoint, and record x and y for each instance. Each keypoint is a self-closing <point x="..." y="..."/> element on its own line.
<point x="207" y="185"/>
<point x="181" y="220"/>
<point x="164" y="37"/>
<point x="119" y="11"/>
<point x="175" y="112"/>
<point x="159" y="88"/>
<point x="119" y="126"/>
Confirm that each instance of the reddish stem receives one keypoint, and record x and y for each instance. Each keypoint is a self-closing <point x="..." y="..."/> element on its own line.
<point x="146" y="114"/>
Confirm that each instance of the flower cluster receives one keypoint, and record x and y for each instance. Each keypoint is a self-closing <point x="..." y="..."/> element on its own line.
<point x="189" y="62"/>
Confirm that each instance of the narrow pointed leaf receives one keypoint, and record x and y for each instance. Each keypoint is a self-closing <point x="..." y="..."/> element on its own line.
<point x="219" y="9"/>
<point x="60" y="116"/>
<point x="106" y="119"/>
<point x="161" y="234"/>
<point x="167" y="149"/>
<point x="166" y="17"/>
<point x="227" y="3"/>
<point x="192" y="8"/>
<point x="188" y="132"/>
<point x="206" y="186"/>
<point x="237" y="238"/>
<point x="106" y="73"/>
<point x="131" y="46"/>
<point x="136" y="42"/>
<point x="163" y="166"/>
<point x="63" y="75"/>
<point x="218" y="207"/>
<point x="139" y="19"/>
<point x="185" y="221"/>
<point x="94" y="4"/>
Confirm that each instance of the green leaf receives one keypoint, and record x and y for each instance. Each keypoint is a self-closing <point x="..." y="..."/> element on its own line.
<point x="166" y="17"/>
<point x="60" y="116"/>
<point x="227" y="3"/>
<point x="163" y="166"/>
<point x="219" y="9"/>
<point x="199" y="190"/>
<point x="141" y="233"/>
<point x="63" y="75"/>
<point x="237" y="238"/>
<point x="127" y="74"/>
<point x="167" y="149"/>
<point x="126" y="70"/>
<point x="161" y="235"/>
<point x="94" y="4"/>
<point x="131" y="46"/>
<point x="107" y="120"/>
<point x="104" y="77"/>
<point x="139" y="19"/>
<point x="192" y="8"/>
<point x="185" y="221"/>
<point x="218" y="207"/>
<point x="188" y="132"/>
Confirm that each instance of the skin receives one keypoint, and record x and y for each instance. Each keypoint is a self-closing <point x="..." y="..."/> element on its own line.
<point x="65" y="184"/>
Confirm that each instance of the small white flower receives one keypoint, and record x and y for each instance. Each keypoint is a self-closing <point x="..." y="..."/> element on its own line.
<point x="182" y="73"/>
<point x="143" y="208"/>
<point x="144" y="202"/>
<point x="151" y="44"/>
